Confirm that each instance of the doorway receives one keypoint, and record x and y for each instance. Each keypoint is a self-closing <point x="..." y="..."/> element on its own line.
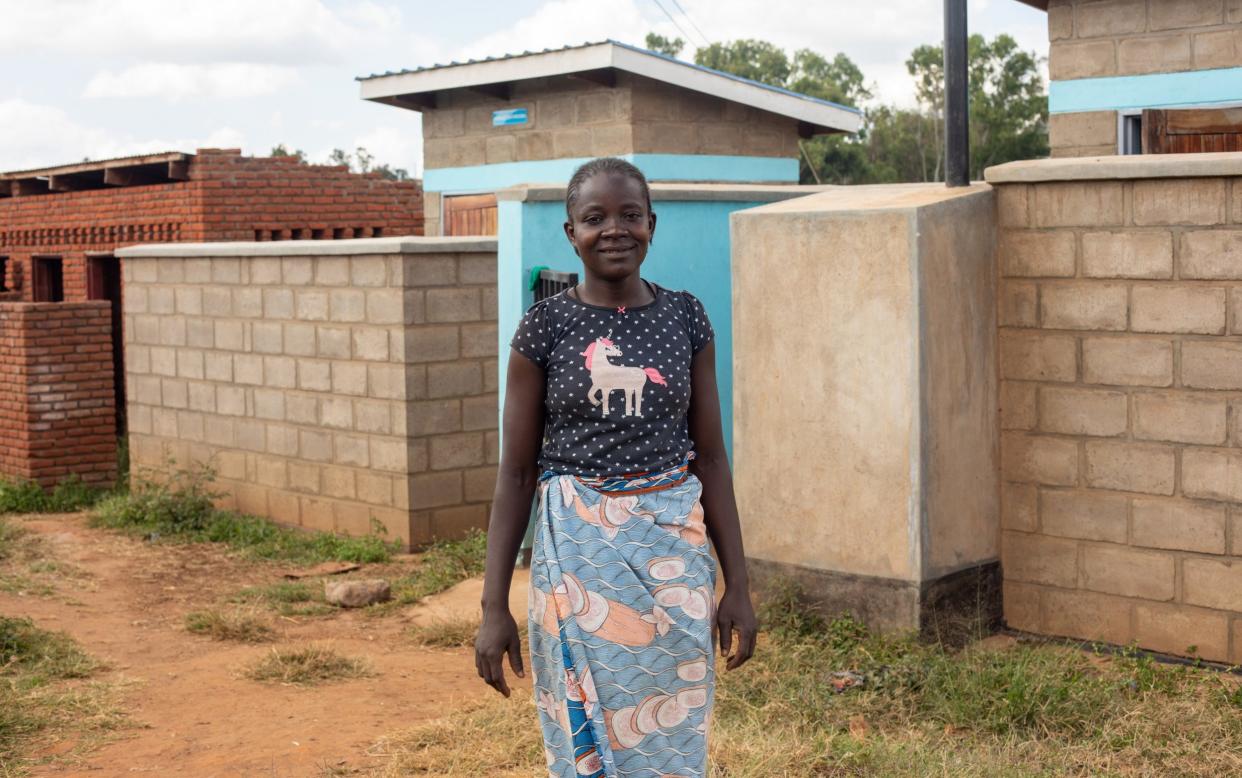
<point x="103" y="282"/>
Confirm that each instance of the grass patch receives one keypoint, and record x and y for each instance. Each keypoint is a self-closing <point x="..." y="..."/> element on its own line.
<point x="26" y="563"/>
<point x="288" y="598"/>
<point x="38" y="655"/>
<point x="71" y="494"/>
<point x="42" y="699"/>
<point x="179" y="504"/>
<point x="922" y="710"/>
<point x="306" y="666"/>
<point x="453" y="633"/>
<point x="503" y="736"/>
<point x="443" y="565"/>
<point x="237" y="626"/>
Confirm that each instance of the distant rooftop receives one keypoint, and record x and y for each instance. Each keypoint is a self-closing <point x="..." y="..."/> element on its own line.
<point x="416" y="89"/>
<point x="164" y="167"/>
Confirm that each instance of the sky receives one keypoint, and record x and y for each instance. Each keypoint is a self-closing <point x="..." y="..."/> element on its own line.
<point x="93" y="79"/>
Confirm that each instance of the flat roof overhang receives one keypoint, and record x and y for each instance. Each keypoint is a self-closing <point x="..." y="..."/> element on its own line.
<point x="163" y="168"/>
<point x="416" y="90"/>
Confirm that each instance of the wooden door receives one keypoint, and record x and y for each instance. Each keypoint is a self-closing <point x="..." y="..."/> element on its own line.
<point x="470" y="215"/>
<point x="1192" y="131"/>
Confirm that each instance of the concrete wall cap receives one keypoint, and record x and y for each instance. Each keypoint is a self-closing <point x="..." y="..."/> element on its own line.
<point x="402" y="244"/>
<point x="528" y="193"/>
<point x="868" y="198"/>
<point x="1212" y="164"/>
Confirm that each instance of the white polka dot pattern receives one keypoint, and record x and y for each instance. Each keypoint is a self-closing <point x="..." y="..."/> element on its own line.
<point x="618" y="381"/>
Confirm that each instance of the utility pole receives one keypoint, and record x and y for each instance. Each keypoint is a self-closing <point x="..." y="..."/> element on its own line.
<point x="956" y="96"/>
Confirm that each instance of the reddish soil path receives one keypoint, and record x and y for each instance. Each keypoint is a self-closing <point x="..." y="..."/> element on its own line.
<point x="197" y="716"/>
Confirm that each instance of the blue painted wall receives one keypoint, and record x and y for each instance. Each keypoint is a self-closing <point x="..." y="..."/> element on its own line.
<point x="657" y="167"/>
<point x="1153" y="90"/>
<point x="691" y="251"/>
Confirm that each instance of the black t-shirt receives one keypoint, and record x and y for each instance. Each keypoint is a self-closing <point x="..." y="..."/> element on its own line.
<point x="618" y="380"/>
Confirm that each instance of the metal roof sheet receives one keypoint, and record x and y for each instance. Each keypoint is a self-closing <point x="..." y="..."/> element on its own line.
<point x="748" y="91"/>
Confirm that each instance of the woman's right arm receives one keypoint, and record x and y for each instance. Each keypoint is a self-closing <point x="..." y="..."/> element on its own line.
<point x="516" y="479"/>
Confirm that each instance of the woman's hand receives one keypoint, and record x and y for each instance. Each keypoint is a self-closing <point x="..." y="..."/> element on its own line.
<point x="736" y="613"/>
<point x="498" y="635"/>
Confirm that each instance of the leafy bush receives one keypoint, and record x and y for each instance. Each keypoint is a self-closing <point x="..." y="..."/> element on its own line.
<point x="180" y="503"/>
<point x="444" y="564"/>
<point x="70" y="494"/>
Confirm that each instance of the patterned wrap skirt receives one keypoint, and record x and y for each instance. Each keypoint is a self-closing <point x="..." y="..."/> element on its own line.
<point x="621" y="609"/>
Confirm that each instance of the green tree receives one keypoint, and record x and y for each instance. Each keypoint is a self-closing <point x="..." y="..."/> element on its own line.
<point x="363" y="161"/>
<point x="826" y="158"/>
<point x="668" y="46"/>
<point x="1008" y="104"/>
<point x="281" y="150"/>
<point x="754" y="59"/>
<point x="1008" y="109"/>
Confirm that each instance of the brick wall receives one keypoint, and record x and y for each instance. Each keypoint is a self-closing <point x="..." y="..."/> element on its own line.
<point x="330" y="391"/>
<point x="1093" y="38"/>
<point x="227" y="197"/>
<point x="56" y="397"/>
<point x="1121" y="364"/>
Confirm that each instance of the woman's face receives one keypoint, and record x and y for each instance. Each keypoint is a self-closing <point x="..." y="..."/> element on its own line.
<point x="610" y="226"/>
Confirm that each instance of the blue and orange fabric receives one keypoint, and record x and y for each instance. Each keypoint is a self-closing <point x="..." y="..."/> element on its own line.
<point x="621" y="610"/>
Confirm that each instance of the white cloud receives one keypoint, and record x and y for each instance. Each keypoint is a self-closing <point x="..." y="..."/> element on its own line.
<point x="282" y="31"/>
<point x="169" y="81"/>
<point x="559" y="23"/>
<point x="398" y="147"/>
<point x="34" y="135"/>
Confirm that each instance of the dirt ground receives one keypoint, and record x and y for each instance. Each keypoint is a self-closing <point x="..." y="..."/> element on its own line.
<point x="195" y="714"/>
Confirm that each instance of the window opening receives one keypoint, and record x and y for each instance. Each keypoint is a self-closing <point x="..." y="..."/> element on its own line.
<point x="49" y="280"/>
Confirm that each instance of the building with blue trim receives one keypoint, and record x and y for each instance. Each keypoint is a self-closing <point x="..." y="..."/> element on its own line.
<point x="1110" y="61"/>
<point x="711" y="143"/>
<point x="534" y="117"/>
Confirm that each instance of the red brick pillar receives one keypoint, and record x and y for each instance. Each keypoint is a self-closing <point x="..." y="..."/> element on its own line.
<point x="57" y="403"/>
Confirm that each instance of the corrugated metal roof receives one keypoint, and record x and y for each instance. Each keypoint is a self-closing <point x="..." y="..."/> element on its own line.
<point x="638" y="49"/>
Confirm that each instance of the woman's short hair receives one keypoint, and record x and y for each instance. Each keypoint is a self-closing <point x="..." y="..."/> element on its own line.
<point x="607" y="165"/>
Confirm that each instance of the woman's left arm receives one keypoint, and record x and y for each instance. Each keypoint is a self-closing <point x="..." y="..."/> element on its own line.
<point x="711" y="465"/>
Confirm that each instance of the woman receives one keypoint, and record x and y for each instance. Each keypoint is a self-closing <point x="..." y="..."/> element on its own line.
<point x="612" y="412"/>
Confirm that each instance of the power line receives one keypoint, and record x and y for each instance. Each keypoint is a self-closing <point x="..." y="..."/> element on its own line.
<point x="692" y="23"/>
<point x="680" y="29"/>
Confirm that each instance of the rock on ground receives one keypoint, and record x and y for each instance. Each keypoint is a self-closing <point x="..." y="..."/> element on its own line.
<point x="356" y="594"/>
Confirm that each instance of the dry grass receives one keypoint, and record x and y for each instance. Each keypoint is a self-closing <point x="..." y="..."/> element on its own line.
<point x="306" y="666"/>
<point x="44" y="699"/>
<point x="452" y="633"/>
<point x="1022" y="710"/>
<point x="26" y="564"/>
<point x="236" y="625"/>
<point x="498" y="737"/>
<point x="288" y="598"/>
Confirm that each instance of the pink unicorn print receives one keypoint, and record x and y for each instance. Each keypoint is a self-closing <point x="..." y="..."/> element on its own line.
<point x="607" y="377"/>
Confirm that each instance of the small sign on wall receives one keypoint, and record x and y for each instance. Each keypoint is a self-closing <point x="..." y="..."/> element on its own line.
<point x="509" y="116"/>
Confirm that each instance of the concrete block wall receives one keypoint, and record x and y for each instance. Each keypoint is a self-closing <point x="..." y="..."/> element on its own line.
<point x="57" y="411"/>
<point x="1100" y="38"/>
<point x="571" y="118"/>
<point x="578" y="119"/>
<point x="335" y="386"/>
<point x="1120" y="315"/>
